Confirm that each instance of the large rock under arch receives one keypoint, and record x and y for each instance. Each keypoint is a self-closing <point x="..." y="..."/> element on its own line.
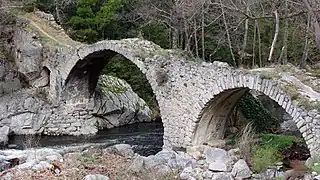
<point x="116" y="104"/>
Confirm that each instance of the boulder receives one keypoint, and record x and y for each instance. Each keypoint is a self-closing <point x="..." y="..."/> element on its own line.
<point x="41" y="166"/>
<point x="24" y="112"/>
<point x="121" y="149"/>
<point x="196" y="151"/>
<point x="217" y="143"/>
<point x="181" y="161"/>
<point x="117" y="104"/>
<point x="96" y="177"/>
<point x="317" y="177"/>
<point x="4" y="132"/>
<point x="222" y="176"/>
<point x="27" y="165"/>
<point x="153" y="161"/>
<point x="234" y="154"/>
<point x="187" y="174"/>
<point x="218" y="167"/>
<point x="241" y="170"/>
<point x="207" y="174"/>
<point x="218" y="159"/>
<point x="137" y="164"/>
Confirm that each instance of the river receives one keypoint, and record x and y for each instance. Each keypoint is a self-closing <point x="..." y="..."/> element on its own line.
<point x="145" y="138"/>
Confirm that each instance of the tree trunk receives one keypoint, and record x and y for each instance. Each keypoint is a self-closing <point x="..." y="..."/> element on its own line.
<point x="284" y="51"/>
<point x="228" y="35"/>
<point x="315" y="22"/>
<point x="259" y="43"/>
<point x="303" y="62"/>
<point x="244" y="45"/>
<point x="202" y="33"/>
<point x="254" y="44"/>
<point x="196" y="38"/>
<point x="275" y="35"/>
<point x="175" y="37"/>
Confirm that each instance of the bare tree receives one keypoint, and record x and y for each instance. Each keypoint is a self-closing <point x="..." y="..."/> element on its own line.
<point x="310" y="4"/>
<point x="303" y="62"/>
<point x="275" y="35"/>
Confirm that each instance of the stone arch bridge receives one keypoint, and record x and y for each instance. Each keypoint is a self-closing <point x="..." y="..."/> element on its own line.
<point x="195" y="98"/>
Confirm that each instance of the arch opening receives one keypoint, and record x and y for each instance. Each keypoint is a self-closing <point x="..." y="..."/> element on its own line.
<point x="83" y="77"/>
<point x="216" y="126"/>
<point x="119" y="91"/>
<point x="213" y="118"/>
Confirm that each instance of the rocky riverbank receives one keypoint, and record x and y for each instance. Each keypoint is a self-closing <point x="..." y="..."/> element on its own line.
<point x="120" y="162"/>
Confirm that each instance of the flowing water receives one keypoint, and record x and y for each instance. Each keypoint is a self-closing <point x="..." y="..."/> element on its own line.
<point x="146" y="138"/>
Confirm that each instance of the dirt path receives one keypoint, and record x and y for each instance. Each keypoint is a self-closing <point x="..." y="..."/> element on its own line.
<point x="50" y="31"/>
<point x="46" y="34"/>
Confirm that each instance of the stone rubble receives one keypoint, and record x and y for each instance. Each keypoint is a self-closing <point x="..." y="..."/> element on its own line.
<point x="165" y="161"/>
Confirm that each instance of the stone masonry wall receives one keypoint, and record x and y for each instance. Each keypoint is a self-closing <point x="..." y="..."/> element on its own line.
<point x="183" y="88"/>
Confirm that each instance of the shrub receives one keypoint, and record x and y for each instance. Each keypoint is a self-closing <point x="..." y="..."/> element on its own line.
<point x="315" y="167"/>
<point x="278" y="141"/>
<point x="246" y="141"/>
<point x="265" y="157"/>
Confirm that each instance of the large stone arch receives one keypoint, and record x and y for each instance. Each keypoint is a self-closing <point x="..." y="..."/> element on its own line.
<point x="147" y="56"/>
<point x="90" y="60"/>
<point x="228" y="89"/>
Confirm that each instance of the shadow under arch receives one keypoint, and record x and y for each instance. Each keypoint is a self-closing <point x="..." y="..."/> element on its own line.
<point x="83" y="77"/>
<point x="213" y="117"/>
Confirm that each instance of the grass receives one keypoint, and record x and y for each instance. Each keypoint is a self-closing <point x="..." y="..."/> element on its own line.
<point x="315" y="168"/>
<point x="278" y="141"/>
<point x="246" y="141"/>
<point x="265" y="157"/>
<point x="269" y="75"/>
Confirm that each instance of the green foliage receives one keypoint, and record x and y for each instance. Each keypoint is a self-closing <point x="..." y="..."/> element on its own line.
<point x="124" y="69"/>
<point x="254" y="111"/>
<point x="158" y="34"/>
<point x="87" y="158"/>
<point x="315" y="167"/>
<point x="45" y="5"/>
<point x="95" y="20"/>
<point x="264" y="157"/>
<point x="278" y="141"/>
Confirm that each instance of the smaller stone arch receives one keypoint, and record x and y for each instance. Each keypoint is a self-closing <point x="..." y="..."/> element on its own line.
<point x="215" y="112"/>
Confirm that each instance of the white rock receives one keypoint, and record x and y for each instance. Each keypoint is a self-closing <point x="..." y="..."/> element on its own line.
<point x="137" y="164"/>
<point x="187" y="174"/>
<point x="207" y="174"/>
<point x="53" y="158"/>
<point x="27" y="165"/>
<point x="317" y="177"/>
<point x="218" y="158"/>
<point x="166" y="155"/>
<point x="42" y="165"/>
<point x="153" y="161"/>
<point x="241" y="170"/>
<point x="121" y="149"/>
<point x="222" y="176"/>
<point x="181" y="161"/>
<point x="96" y="177"/>
<point x="216" y="155"/>
<point x="4" y="132"/>
<point x="218" y="167"/>
<point x="163" y="169"/>
<point x="234" y="154"/>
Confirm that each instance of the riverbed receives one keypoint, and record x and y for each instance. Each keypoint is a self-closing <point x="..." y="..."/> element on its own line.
<point x="145" y="138"/>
